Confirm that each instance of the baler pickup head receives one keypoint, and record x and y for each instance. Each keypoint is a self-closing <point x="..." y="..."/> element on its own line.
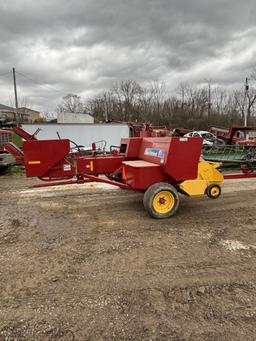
<point x="46" y="159"/>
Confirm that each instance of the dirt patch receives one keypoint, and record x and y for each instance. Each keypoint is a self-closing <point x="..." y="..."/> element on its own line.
<point x="87" y="263"/>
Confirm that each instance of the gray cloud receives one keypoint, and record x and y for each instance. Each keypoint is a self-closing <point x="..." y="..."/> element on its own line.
<point x="83" y="46"/>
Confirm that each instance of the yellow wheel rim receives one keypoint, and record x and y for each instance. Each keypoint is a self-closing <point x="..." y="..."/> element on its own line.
<point x="215" y="191"/>
<point x="163" y="202"/>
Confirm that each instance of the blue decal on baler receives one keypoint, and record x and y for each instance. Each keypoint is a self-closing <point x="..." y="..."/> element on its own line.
<point x="155" y="152"/>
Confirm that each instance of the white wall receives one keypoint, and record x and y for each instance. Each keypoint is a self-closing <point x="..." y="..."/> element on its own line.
<point x="82" y="134"/>
<point x="67" y="117"/>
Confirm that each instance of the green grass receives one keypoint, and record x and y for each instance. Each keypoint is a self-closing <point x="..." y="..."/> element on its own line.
<point x="16" y="139"/>
<point x="16" y="169"/>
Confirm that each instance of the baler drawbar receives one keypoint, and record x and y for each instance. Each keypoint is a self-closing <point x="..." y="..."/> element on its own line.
<point x="160" y="167"/>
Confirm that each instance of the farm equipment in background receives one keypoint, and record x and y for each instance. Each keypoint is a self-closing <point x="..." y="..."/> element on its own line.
<point x="235" y="134"/>
<point x="143" y="129"/>
<point x="6" y="159"/>
<point x="239" y="148"/>
<point x="180" y="132"/>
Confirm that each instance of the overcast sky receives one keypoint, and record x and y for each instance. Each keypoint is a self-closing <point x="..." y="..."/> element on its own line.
<point x="83" y="46"/>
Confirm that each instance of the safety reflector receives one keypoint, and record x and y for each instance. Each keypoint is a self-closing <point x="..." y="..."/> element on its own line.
<point x="91" y="166"/>
<point x="124" y="176"/>
<point x="34" y="162"/>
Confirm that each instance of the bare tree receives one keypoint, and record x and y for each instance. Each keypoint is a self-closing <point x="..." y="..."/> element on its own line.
<point x="71" y="103"/>
<point x="219" y="99"/>
<point x="129" y="101"/>
<point x="23" y="101"/>
<point x="127" y="93"/>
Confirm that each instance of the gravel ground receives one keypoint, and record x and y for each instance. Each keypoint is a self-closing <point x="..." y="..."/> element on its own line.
<point x="86" y="262"/>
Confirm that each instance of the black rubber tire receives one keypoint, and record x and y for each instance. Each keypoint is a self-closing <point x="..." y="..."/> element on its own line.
<point x="209" y="189"/>
<point x="150" y="194"/>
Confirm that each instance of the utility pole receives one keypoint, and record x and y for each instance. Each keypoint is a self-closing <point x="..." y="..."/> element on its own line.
<point x="247" y="104"/>
<point x="209" y="100"/>
<point x="15" y="88"/>
<point x="15" y="94"/>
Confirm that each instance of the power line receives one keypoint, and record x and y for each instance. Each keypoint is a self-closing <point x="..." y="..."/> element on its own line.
<point x="39" y="83"/>
<point x="6" y="73"/>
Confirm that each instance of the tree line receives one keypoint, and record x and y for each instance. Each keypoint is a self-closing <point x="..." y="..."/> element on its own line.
<point x="192" y="107"/>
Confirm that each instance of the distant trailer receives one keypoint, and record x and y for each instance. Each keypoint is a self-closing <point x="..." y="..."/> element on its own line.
<point x="69" y="118"/>
<point x="81" y="134"/>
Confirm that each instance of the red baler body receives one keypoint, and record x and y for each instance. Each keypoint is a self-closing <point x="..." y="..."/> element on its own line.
<point x="138" y="163"/>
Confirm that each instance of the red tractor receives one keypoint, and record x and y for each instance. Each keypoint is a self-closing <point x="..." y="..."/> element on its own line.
<point x="236" y="134"/>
